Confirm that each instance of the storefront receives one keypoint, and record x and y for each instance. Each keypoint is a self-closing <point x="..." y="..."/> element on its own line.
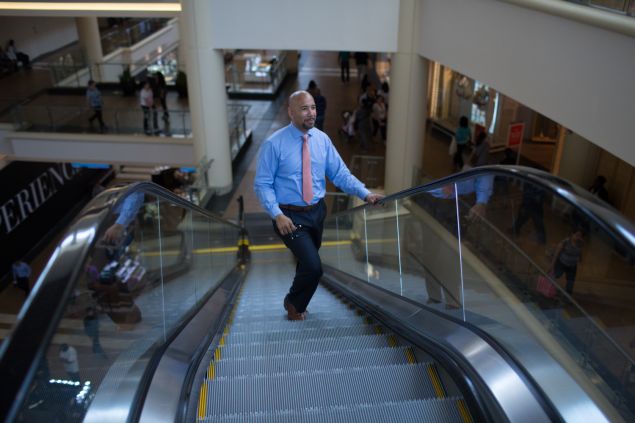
<point x="508" y="123"/>
<point x="254" y="72"/>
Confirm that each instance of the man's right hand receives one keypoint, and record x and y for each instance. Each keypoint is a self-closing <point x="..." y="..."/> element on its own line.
<point x="284" y="224"/>
<point x="113" y="233"/>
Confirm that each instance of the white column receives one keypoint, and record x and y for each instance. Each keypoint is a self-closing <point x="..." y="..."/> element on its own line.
<point x="206" y="92"/>
<point x="90" y="41"/>
<point x="407" y="112"/>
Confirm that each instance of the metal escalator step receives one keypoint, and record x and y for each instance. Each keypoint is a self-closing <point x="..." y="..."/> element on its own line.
<point x="319" y="389"/>
<point x="255" y="313"/>
<point x="417" y="411"/>
<point x="227" y="368"/>
<point x="274" y="303"/>
<point x="281" y="315"/>
<point x="244" y="327"/>
<point x="277" y="296"/>
<point x="297" y="334"/>
<point x="304" y="347"/>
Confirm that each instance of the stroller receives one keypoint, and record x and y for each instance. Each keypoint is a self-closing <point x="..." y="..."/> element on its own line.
<point x="348" y="125"/>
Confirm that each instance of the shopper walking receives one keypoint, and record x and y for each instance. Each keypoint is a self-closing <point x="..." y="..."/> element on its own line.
<point x="146" y="100"/>
<point x="296" y="203"/>
<point x="379" y="117"/>
<point x="68" y="355"/>
<point x="480" y="155"/>
<point x="361" y="61"/>
<point x="21" y="275"/>
<point x="462" y="137"/>
<point x="566" y="258"/>
<point x="320" y="104"/>
<point x="91" y="329"/>
<point x="345" y="69"/>
<point x="162" y="92"/>
<point x="95" y="103"/>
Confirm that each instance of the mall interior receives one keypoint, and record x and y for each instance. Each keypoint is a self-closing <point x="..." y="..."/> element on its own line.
<point x="142" y="280"/>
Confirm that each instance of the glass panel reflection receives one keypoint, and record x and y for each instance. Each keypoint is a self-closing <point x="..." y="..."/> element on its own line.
<point x="517" y="260"/>
<point x="149" y="268"/>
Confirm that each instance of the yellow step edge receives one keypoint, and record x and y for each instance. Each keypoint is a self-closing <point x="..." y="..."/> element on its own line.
<point x="202" y="402"/>
<point x="392" y="341"/>
<point x="465" y="414"/>
<point x="378" y="330"/>
<point x="436" y="381"/>
<point x="217" y="354"/>
<point x="410" y="356"/>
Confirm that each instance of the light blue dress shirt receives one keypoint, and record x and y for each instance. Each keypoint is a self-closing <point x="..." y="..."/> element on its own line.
<point x="129" y="207"/>
<point x="21" y="270"/>
<point x="279" y="172"/>
<point x="482" y="185"/>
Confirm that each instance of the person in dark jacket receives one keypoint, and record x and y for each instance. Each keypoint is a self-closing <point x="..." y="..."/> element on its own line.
<point x="91" y="329"/>
<point x="320" y="104"/>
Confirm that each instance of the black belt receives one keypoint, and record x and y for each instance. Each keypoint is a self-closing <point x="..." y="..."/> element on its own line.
<point x="299" y="208"/>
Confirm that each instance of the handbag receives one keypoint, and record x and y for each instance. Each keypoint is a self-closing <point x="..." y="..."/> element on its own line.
<point x="452" y="149"/>
<point x="545" y="286"/>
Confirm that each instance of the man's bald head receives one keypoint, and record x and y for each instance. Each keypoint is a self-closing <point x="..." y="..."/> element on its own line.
<point x="302" y="110"/>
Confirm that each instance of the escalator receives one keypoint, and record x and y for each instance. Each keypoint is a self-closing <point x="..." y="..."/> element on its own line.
<point x="429" y="310"/>
<point x="338" y="365"/>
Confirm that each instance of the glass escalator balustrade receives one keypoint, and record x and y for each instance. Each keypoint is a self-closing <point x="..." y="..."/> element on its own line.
<point x="151" y="264"/>
<point x="515" y="258"/>
<point x="473" y="247"/>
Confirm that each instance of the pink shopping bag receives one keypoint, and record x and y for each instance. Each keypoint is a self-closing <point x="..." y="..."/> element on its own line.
<point x="546" y="287"/>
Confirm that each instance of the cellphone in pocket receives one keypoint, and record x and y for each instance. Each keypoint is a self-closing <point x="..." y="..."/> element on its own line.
<point x="296" y="233"/>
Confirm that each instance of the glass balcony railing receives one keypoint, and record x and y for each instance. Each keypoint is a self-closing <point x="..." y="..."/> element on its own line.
<point x="75" y="119"/>
<point x="521" y="256"/>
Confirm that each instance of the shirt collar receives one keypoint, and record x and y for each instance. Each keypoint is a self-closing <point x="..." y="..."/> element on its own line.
<point x="296" y="133"/>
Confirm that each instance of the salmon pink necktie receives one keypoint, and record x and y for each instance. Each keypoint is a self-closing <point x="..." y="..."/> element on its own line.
<point x="307" y="181"/>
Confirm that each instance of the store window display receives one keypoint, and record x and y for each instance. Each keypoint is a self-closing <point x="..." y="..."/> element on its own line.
<point x="167" y="65"/>
<point x="257" y="72"/>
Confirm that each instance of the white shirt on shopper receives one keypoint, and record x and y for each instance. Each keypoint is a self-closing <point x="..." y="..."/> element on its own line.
<point x="146" y="99"/>
<point x="69" y="357"/>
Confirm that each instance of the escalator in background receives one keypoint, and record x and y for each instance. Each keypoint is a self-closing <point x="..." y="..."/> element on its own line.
<point x="433" y="312"/>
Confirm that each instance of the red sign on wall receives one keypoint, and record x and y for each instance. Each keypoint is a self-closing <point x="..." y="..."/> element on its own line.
<point x="515" y="134"/>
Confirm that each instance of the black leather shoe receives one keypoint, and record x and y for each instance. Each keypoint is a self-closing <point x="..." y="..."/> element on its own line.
<point x="292" y="313"/>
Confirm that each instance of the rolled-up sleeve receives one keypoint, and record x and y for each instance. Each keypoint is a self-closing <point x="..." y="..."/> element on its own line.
<point x="339" y="174"/>
<point x="129" y="208"/>
<point x="265" y="176"/>
<point x="483" y="186"/>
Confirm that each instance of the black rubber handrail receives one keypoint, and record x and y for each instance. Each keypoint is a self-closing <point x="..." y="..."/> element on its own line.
<point x="596" y="210"/>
